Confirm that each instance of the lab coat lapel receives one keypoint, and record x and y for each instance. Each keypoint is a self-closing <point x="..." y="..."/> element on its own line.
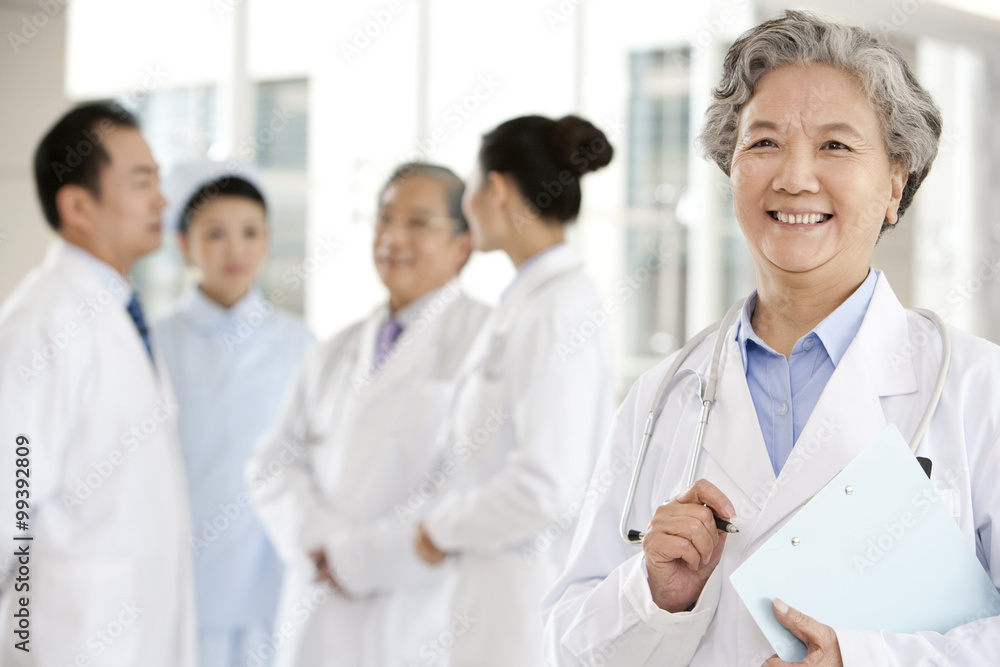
<point x="364" y="378"/>
<point x="113" y="318"/>
<point x="550" y="266"/>
<point x="488" y="348"/>
<point x="412" y="348"/>
<point x="479" y="348"/>
<point x="733" y="437"/>
<point x="849" y="413"/>
<point x="164" y="387"/>
<point x="135" y="353"/>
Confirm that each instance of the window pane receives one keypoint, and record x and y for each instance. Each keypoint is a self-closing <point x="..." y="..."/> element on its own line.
<point x="655" y="243"/>
<point x="282" y="124"/>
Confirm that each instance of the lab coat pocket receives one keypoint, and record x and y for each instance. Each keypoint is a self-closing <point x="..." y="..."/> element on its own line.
<point x="87" y="607"/>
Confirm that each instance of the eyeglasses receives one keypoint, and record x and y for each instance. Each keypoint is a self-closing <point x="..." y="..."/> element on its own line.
<point x="416" y="225"/>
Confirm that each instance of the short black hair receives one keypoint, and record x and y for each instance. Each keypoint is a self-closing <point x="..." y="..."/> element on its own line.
<point x="453" y="185"/>
<point x="226" y="186"/>
<point x="72" y="152"/>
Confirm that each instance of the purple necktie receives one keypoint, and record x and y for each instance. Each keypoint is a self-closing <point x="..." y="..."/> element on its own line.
<point x="387" y="335"/>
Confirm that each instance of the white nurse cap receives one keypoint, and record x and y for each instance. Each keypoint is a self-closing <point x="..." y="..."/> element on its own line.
<point x="187" y="178"/>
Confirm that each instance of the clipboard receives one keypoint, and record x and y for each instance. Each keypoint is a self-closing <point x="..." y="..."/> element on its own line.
<point x="875" y="549"/>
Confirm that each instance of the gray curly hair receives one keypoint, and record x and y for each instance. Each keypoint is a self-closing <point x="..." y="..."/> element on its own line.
<point x="910" y="121"/>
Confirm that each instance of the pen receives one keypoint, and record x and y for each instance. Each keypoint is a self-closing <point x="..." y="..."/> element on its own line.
<point x="722" y="524"/>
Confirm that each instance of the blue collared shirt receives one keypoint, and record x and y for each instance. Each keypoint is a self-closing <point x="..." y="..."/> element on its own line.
<point x="785" y="391"/>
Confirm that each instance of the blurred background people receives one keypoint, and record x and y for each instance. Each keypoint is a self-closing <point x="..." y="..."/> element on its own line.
<point x="355" y="457"/>
<point x="534" y="407"/>
<point x="259" y="80"/>
<point x="108" y="572"/>
<point x="231" y="351"/>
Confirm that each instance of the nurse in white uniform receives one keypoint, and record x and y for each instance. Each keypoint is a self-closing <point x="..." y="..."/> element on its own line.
<point x="354" y="460"/>
<point x="826" y="135"/>
<point x="96" y="507"/>
<point x="231" y="352"/>
<point x="535" y="400"/>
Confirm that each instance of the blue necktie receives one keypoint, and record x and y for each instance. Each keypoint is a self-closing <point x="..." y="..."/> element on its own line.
<point x="135" y="311"/>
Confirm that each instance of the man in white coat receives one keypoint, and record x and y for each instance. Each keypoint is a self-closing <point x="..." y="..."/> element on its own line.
<point x="100" y="520"/>
<point x="342" y="479"/>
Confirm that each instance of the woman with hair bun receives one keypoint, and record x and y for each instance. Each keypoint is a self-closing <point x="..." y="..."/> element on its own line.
<point x="535" y="398"/>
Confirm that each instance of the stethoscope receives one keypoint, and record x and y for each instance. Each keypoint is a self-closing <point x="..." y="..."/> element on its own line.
<point x="707" y="386"/>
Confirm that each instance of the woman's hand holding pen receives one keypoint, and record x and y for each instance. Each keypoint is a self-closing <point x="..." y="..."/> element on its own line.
<point x="683" y="546"/>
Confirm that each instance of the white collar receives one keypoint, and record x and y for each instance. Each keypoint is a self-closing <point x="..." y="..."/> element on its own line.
<point x="406" y="315"/>
<point x="116" y="284"/>
<point x="209" y="316"/>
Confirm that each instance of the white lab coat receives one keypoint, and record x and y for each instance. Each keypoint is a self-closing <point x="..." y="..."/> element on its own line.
<point x="601" y="608"/>
<point x="527" y="426"/>
<point x="349" y="468"/>
<point x="230" y="369"/>
<point x="110" y="567"/>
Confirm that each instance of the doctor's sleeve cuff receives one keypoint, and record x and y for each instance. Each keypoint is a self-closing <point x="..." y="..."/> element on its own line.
<point x="444" y="525"/>
<point x="691" y="625"/>
<point x="974" y="644"/>
<point x="861" y="648"/>
<point x="345" y="554"/>
<point x="379" y="557"/>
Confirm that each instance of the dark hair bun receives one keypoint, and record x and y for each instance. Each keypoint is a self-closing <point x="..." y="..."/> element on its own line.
<point x="546" y="159"/>
<point x="580" y="146"/>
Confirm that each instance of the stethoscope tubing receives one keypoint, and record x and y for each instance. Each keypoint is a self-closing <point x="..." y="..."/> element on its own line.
<point x="707" y="389"/>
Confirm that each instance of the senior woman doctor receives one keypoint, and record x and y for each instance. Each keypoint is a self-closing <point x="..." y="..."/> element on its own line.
<point x="826" y="135"/>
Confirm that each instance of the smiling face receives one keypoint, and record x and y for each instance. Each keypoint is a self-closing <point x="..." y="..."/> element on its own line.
<point x="415" y="248"/>
<point x="811" y="178"/>
<point x="227" y="240"/>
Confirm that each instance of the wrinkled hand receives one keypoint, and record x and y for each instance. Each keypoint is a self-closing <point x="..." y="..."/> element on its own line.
<point x="426" y="548"/>
<point x="820" y="640"/>
<point x="683" y="545"/>
<point x="323" y="571"/>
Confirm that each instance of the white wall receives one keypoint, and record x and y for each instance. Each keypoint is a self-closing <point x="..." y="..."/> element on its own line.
<point x="31" y="78"/>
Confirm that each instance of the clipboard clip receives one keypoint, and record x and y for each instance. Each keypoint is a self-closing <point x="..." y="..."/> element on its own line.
<point x="925" y="465"/>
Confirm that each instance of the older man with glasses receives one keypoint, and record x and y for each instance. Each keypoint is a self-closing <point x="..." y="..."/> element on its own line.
<point x="355" y="460"/>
